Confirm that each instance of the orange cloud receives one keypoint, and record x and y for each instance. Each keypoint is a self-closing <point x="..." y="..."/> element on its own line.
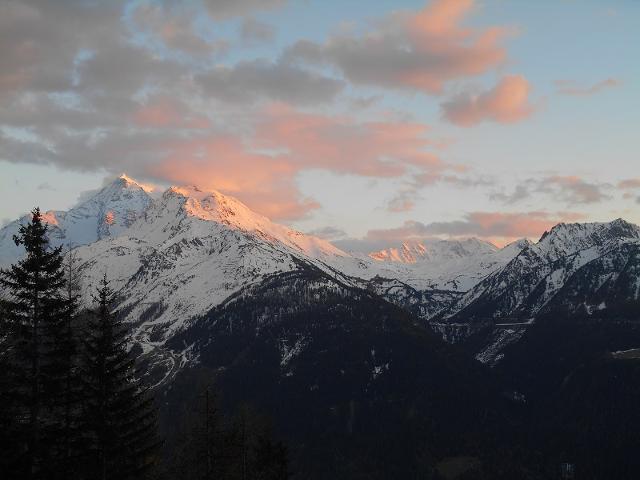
<point x="507" y="102"/>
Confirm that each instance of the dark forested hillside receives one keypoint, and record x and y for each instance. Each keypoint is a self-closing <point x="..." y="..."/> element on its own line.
<point x="580" y="377"/>
<point x="352" y="383"/>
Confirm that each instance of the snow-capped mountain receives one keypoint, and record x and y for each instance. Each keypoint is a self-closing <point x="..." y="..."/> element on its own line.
<point x="571" y="258"/>
<point x="456" y="265"/>
<point x="104" y="213"/>
<point x="190" y="251"/>
<point x="414" y="251"/>
<point x="574" y="271"/>
<point x="175" y="257"/>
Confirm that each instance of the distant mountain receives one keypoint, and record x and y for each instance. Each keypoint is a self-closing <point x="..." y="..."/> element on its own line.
<point x="414" y="251"/>
<point x="444" y="264"/>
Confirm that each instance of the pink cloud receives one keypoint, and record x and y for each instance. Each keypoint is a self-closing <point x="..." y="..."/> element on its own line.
<point x="507" y="102"/>
<point x="345" y="145"/>
<point x="261" y="170"/>
<point x="264" y="182"/>
<point x="412" y="50"/>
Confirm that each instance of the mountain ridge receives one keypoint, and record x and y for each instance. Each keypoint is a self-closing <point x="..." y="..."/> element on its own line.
<point x="174" y="257"/>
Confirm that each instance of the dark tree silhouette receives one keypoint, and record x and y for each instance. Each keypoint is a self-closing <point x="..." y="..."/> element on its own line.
<point x="36" y="351"/>
<point x="119" y="417"/>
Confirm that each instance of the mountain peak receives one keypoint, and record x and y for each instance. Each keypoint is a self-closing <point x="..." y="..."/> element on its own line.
<point x="124" y="180"/>
<point x="213" y="206"/>
<point x="568" y="238"/>
<point x="618" y="227"/>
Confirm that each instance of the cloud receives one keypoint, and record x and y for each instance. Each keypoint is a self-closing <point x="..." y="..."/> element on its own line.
<point x="175" y="28"/>
<point x="328" y="233"/>
<point x="39" y="40"/>
<point x="46" y="186"/>
<point x="225" y="9"/>
<point x="574" y="190"/>
<point x="571" y="189"/>
<point x="249" y="81"/>
<point x="95" y="86"/>
<point x="570" y="87"/>
<point x="343" y="144"/>
<point x="261" y="170"/>
<point x="78" y="89"/>
<point x="362" y="103"/>
<point x="137" y="67"/>
<point x="629" y="184"/>
<point x="496" y="227"/>
<point x="630" y="188"/>
<point x="415" y="51"/>
<point x="507" y="102"/>
<point x="254" y="32"/>
<point x="520" y="192"/>
<point x="256" y="157"/>
<point x="403" y="202"/>
<point x="164" y="111"/>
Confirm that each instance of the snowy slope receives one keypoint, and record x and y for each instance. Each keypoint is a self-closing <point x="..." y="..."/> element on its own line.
<point x="190" y="251"/>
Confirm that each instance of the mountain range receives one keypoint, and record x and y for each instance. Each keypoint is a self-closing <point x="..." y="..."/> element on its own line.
<point x="457" y="328"/>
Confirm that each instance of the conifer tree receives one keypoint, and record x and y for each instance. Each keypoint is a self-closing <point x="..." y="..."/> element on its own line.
<point x="71" y="394"/>
<point x="119" y="418"/>
<point x="34" y="340"/>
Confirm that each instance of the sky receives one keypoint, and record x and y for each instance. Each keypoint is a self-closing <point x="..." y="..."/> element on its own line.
<point x="366" y="123"/>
